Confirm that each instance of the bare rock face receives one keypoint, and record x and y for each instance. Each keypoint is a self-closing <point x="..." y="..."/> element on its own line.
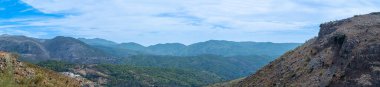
<point x="345" y="53"/>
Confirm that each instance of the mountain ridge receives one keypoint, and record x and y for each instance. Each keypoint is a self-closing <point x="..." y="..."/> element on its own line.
<point x="216" y="47"/>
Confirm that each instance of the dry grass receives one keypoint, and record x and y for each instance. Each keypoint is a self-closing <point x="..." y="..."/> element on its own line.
<point x="19" y="74"/>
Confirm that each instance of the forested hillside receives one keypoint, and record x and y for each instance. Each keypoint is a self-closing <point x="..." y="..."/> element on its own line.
<point x="126" y="75"/>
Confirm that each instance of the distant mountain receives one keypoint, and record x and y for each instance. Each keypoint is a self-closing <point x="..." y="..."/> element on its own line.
<point x="346" y="53"/>
<point x="215" y="47"/>
<point x="177" y="49"/>
<point x="98" y="42"/>
<point x="59" y="48"/>
<point x="73" y="50"/>
<point x="109" y="47"/>
<point x="132" y="46"/>
<point x="230" y="48"/>
<point x="20" y="74"/>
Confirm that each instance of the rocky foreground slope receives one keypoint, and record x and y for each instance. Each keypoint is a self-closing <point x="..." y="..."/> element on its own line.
<point x="346" y="53"/>
<point x="14" y="73"/>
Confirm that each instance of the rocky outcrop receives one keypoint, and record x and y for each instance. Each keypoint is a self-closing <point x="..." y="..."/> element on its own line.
<point x="91" y="71"/>
<point x="345" y="53"/>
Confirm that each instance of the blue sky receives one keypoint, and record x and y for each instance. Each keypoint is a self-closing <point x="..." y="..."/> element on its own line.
<point x="185" y="21"/>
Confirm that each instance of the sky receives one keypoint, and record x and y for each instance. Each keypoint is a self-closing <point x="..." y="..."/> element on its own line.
<point x="151" y="22"/>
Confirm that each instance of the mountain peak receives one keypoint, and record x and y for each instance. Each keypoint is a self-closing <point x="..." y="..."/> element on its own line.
<point x="97" y="41"/>
<point x="168" y="44"/>
<point x="66" y="40"/>
<point x="132" y="44"/>
<point x="345" y="53"/>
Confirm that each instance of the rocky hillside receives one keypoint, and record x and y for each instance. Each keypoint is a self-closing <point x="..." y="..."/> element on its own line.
<point x="230" y="83"/>
<point x="14" y="73"/>
<point x="345" y="53"/>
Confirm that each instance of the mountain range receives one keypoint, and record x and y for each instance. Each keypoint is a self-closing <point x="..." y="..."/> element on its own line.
<point x="90" y="50"/>
<point x="222" y="60"/>
<point x="215" y="47"/>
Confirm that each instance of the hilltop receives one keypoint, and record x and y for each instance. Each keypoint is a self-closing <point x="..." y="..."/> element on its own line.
<point x="345" y="53"/>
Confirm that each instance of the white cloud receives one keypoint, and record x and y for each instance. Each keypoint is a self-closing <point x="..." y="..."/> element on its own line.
<point x="188" y="21"/>
<point x="8" y="30"/>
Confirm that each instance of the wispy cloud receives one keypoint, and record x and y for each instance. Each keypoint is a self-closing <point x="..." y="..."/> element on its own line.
<point x="189" y="21"/>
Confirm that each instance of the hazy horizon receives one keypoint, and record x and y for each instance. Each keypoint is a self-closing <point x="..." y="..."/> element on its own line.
<point x="152" y="22"/>
<point x="147" y="45"/>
